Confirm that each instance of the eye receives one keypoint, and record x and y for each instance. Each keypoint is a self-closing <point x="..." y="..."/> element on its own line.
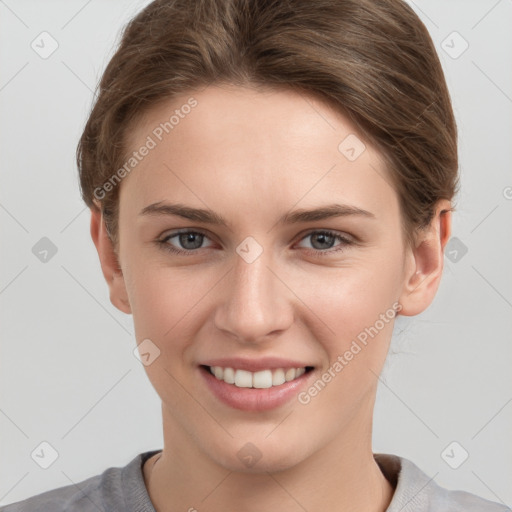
<point x="321" y="242"/>
<point x="188" y="242"/>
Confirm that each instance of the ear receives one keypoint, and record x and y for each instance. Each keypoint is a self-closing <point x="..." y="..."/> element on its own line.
<point x="424" y="262"/>
<point x="109" y="262"/>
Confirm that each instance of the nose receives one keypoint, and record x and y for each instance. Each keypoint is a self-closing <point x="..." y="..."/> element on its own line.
<point x="255" y="303"/>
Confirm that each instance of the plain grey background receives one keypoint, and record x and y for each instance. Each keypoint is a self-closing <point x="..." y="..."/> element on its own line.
<point x="67" y="370"/>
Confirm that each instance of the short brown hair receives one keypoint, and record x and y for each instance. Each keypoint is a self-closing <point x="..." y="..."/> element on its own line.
<point x="373" y="60"/>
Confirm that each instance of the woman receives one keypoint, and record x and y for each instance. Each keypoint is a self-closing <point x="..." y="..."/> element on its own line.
<point x="270" y="185"/>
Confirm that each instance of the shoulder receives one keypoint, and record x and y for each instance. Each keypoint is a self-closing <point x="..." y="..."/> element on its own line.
<point x="84" y="496"/>
<point x="449" y="500"/>
<point x="415" y="491"/>
<point x="106" y="491"/>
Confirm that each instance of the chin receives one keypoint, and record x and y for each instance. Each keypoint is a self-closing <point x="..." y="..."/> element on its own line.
<point x="258" y="457"/>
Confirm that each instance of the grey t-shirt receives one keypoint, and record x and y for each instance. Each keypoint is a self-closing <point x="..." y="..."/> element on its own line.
<point x="122" y="489"/>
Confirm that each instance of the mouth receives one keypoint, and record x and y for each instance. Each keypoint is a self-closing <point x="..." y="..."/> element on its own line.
<point x="255" y="391"/>
<point x="263" y="379"/>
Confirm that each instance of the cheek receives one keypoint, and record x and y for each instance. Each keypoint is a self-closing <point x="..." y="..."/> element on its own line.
<point x="357" y="308"/>
<point x="337" y="304"/>
<point x="166" y="308"/>
<point x="349" y="300"/>
<point x="166" y="302"/>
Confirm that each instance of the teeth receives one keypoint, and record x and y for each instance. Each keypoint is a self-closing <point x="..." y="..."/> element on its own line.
<point x="278" y="377"/>
<point x="229" y="375"/>
<point x="262" y="379"/>
<point x="243" y="379"/>
<point x="290" y="374"/>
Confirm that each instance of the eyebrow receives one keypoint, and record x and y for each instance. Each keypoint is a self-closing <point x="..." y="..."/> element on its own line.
<point x="208" y="216"/>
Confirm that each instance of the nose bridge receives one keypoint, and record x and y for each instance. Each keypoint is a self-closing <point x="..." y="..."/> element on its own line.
<point x="254" y="304"/>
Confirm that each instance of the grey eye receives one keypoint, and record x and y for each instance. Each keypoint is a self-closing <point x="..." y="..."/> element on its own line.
<point x="191" y="240"/>
<point x="322" y="240"/>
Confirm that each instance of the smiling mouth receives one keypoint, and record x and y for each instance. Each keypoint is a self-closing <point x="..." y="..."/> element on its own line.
<point x="258" y="380"/>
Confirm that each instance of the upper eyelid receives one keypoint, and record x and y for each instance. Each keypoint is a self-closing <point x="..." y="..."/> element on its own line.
<point x="182" y="231"/>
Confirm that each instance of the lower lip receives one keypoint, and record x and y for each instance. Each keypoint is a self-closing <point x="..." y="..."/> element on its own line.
<point x="253" y="399"/>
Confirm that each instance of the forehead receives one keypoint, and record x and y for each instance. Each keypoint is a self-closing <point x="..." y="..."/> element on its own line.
<point x="263" y="146"/>
<point x="226" y="112"/>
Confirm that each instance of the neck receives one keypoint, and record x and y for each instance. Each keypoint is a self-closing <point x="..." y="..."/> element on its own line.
<point x="343" y="474"/>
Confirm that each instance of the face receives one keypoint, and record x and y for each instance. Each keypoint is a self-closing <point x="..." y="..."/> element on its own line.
<point x="251" y="239"/>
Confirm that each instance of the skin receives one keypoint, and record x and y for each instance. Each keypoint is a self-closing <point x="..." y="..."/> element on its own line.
<point x="251" y="156"/>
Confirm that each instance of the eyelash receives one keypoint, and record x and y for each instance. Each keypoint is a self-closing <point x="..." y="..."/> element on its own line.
<point x="163" y="243"/>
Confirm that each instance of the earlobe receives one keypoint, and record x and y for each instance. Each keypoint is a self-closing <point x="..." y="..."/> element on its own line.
<point x="109" y="262"/>
<point x="424" y="263"/>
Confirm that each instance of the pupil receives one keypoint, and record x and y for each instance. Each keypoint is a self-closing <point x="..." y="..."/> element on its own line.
<point x="191" y="240"/>
<point x="323" y="238"/>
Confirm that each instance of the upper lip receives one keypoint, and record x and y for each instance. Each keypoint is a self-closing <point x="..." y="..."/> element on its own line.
<point x="254" y="365"/>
